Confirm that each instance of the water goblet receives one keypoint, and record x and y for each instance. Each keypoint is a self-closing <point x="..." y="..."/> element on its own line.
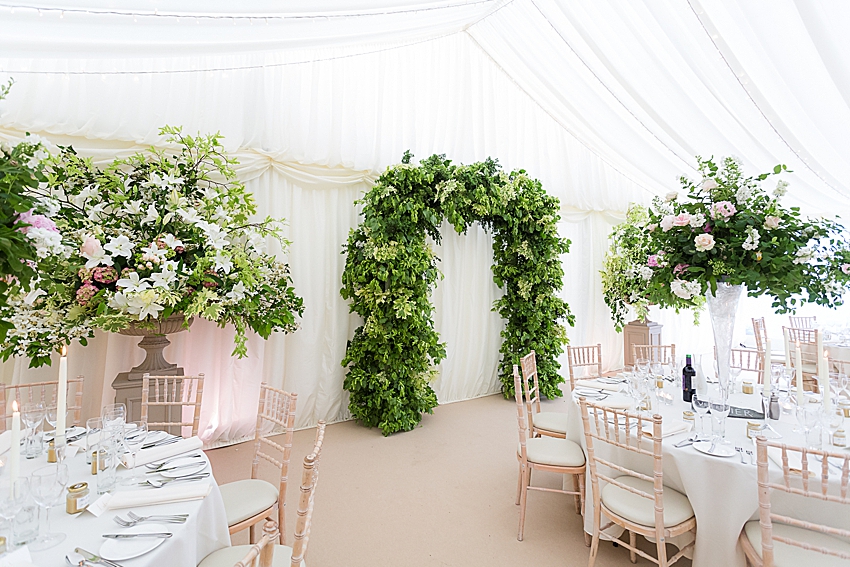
<point x="832" y="420"/>
<point x="808" y="416"/>
<point x="135" y="435"/>
<point x="719" y="412"/>
<point x="113" y="414"/>
<point x="33" y="415"/>
<point x="50" y="417"/>
<point x="734" y="375"/>
<point x="13" y="496"/>
<point x="700" y="405"/>
<point x="47" y="485"/>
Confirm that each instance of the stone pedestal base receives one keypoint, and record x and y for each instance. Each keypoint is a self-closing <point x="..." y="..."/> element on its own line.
<point x="639" y="333"/>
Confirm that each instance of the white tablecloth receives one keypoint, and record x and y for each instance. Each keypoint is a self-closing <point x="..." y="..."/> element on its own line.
<point x="723" y="492"/>
<point x="204" y="532"/>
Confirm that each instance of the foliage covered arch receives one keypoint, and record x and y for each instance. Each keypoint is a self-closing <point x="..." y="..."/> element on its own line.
<point x="390" y="270"/>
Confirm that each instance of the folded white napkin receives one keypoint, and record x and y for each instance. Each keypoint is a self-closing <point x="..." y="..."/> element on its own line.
<point x="668" y="427"/>
<point x="615" y="401"/>
<point x="5" y="441"/>
<point x="597" y="385"/>
<point x="18" y="558"/>
<point x="164" y="495"/>
<point x="155" y="454"/>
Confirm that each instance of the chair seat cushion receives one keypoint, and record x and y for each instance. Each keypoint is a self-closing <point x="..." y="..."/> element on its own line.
<point x="246" y="498"/>
<point x="228" y="556"/>
<point x="785" y="555"/>
<point x="553" y="421"/>
<point x="553" y="451"/>
<point x="639" y="510"/>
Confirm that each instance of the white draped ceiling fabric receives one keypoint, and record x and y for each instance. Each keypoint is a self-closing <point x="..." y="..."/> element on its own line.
<point x="605" y="101"/>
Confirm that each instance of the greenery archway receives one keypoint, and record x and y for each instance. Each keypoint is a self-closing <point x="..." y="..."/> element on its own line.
<point x="390" y="270"/>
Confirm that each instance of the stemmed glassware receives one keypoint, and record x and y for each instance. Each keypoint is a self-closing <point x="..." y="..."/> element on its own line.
<point x="13" y="496"/>
<point x="33" y="415"/>
<point x="114" y="415"/>
<point x="720" y="408"/>
<point x="808" y="416"/>
<point x="832" y="420"/>
<point x="135" y="435"/>
<point x="47" y="485"/>
<point x="700" y="405"/>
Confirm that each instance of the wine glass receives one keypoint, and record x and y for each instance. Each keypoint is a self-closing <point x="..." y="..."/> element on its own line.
<point x="719" y="412"/>
<point x="50" y="418"/>
<point x="642" y="365"/>
<point x="113" y="414"/>
<point x="47" y="485"/>
<point x="13" y="495"/>
<point x="700" y="405"/>
<point x="33" y="415"/>
<point x="734" y="374"/>
<point x="135" y="435"/>
<point x="808" y="416"/>
<point x="832" y="420"/>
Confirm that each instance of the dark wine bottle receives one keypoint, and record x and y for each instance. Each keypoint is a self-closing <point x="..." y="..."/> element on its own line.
<point x="688" y="375"/>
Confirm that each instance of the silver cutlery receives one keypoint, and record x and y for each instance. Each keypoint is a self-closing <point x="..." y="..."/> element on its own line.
<point x="142" y="518"/>
<point x="157" y="483"/>
<point x="166" y="441"/>
<point x="175" y="519"/>
<point x="740" y="451"/>
<point x="713" y="445"/>
<point x="131" y="536"/>
<point x="188" y="465"/>
<point x="166" y="461"/>
<point x="820" y="460"/>
<point x="752" y="457"/>
<point x="92" y="558"/>
<point x="690" y="440"/>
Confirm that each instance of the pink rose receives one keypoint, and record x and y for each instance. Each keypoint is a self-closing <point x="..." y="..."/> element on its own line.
<point x="682" y="219"/>
<point x="723" y="209"/>
<point x="771" y="223"/>
<point x="36" y="221"/>
<point x="680" y="268"/>
<point x="652" y="261"/>
<point x="91" y="247"/>
<point x="667" y="223"/>
<point x="704" y="242"/>
<point x="845" y="268"/>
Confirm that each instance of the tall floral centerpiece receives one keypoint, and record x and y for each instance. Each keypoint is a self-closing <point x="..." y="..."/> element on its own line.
<point x="152" y="238"/>
<point x="724" y="233"/>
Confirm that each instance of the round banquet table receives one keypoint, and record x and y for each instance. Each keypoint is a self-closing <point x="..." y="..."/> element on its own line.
<point x="722" y="491"/>
<point x="204" y="532"/>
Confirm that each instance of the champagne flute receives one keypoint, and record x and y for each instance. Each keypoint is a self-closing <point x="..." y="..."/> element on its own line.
<point x="47" y="485"/>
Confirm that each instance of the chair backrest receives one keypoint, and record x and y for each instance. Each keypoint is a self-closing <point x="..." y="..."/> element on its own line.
<point x="530" y="385"/>
<point x="665" y="354"/>
<point x="812" y="463"/>
<point x="275" y="411"/>
<point x="521" y="412"/>
<point x="578" y="356"/>
<point x="173" y="394"/>
<point x="261" y="553"/>
<point x="748" y="360"/>
<point x="802" y="322"/>
<point x="309" y="479"/>
<point x="760" y="332"/>
<point x="624" y="430"/>
<point x="44" y="392"/>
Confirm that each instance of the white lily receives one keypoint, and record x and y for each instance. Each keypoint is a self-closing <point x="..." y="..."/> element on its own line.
<point x="133" y="207"/>
<point x="171" y="241"/>
<point x="132" y="283"/>
<point x="151" y="215"/>
<point x="163" y="279"/>
<point x="223" y="262"/>
<point x="120" y="246"/>
<point x="144" y="304"/>
<point x="33" y="295"/>
<point x="238" y="292"/>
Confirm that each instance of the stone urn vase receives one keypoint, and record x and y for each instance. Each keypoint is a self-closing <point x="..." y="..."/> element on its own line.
<point x="128" y="385"/>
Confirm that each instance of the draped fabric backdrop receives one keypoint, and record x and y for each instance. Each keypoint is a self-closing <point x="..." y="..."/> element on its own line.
<point x="605" y="102"/>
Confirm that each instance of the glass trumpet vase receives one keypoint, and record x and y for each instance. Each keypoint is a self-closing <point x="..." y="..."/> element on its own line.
<point x="722" y="308"/>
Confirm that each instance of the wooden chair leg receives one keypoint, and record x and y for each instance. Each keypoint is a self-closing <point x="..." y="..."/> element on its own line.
<point x="662" y="553"/>
<point x="582" y="489"/>
<point x="523" y="499"/>
<point x="578" y="497"/>
<point x="633" y="543"/>
<point x="253" y="534"/>
<point x="594" y="542"/>
<point x="519" y="484"/>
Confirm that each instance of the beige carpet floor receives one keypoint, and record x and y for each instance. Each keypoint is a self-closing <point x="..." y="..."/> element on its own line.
<point x="441" y="495"/>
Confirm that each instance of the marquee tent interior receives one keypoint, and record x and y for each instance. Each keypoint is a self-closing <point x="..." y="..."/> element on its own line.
<point x="606" y="102"/>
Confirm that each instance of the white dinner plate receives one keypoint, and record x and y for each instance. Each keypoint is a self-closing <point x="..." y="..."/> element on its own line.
<point x="154" y="436"/>
<point x="720" y="450"/>
<point x="122" y="549"/>
<point x="200" y="464"/>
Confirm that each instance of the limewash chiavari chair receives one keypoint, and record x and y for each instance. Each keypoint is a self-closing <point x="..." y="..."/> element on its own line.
<point x="811" y="347"/>
<point x="658" y="512"/>
<point x="279" y="555"/>
<point x="665" y="354"/>
<point x="748" y="360"/>
<point x="775" y="539"/>
<point x="248" y="502"/>
<point x="584" y="356"/>
<point x="44" y="392"/>
<point x="173" y="394"/>
<point x="549" y="423"/>
<point x="550" y="454"/>
<point x="802" y="322"/>
<point x="760" y="333"/>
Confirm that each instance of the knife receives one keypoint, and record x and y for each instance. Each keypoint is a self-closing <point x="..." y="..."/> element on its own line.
<point x="89" y="556"/>
<point x="195" y="464"/>
<point x="128" y="536"/>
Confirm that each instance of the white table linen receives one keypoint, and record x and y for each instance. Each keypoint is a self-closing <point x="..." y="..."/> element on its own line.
<point x="204" y="532"/>
<point x="722" y="491"/>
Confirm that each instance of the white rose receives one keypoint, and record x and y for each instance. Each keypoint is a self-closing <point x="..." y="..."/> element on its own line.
<point x="671" y="196"/>
<point x="709" y="184"/>
<point x="667" y="223"/>
<point x="698" y="220"/>
<point x="704" y="242"/>
<point x="771" y="223"/>
<point x="680" y="289"/>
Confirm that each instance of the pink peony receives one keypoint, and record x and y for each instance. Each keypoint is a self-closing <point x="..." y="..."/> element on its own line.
<point x="682" y="219"/>
<point x="91" y="247"/>
<point x="652" y="261"/>
<point x="680" y="268"/>
<point x="704" y="242"/>
<point x="105" y="274"/>
<point x="85" y="293"/>
<point x="723" y="209"/>
<point x="36" y="221"/>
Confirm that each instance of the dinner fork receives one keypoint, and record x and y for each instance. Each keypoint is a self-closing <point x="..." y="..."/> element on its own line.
<point x="176" y="519"/>
<point x="160" y="464"/>
<point x="157" y="483"/>
<point x="740" y="451"/>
